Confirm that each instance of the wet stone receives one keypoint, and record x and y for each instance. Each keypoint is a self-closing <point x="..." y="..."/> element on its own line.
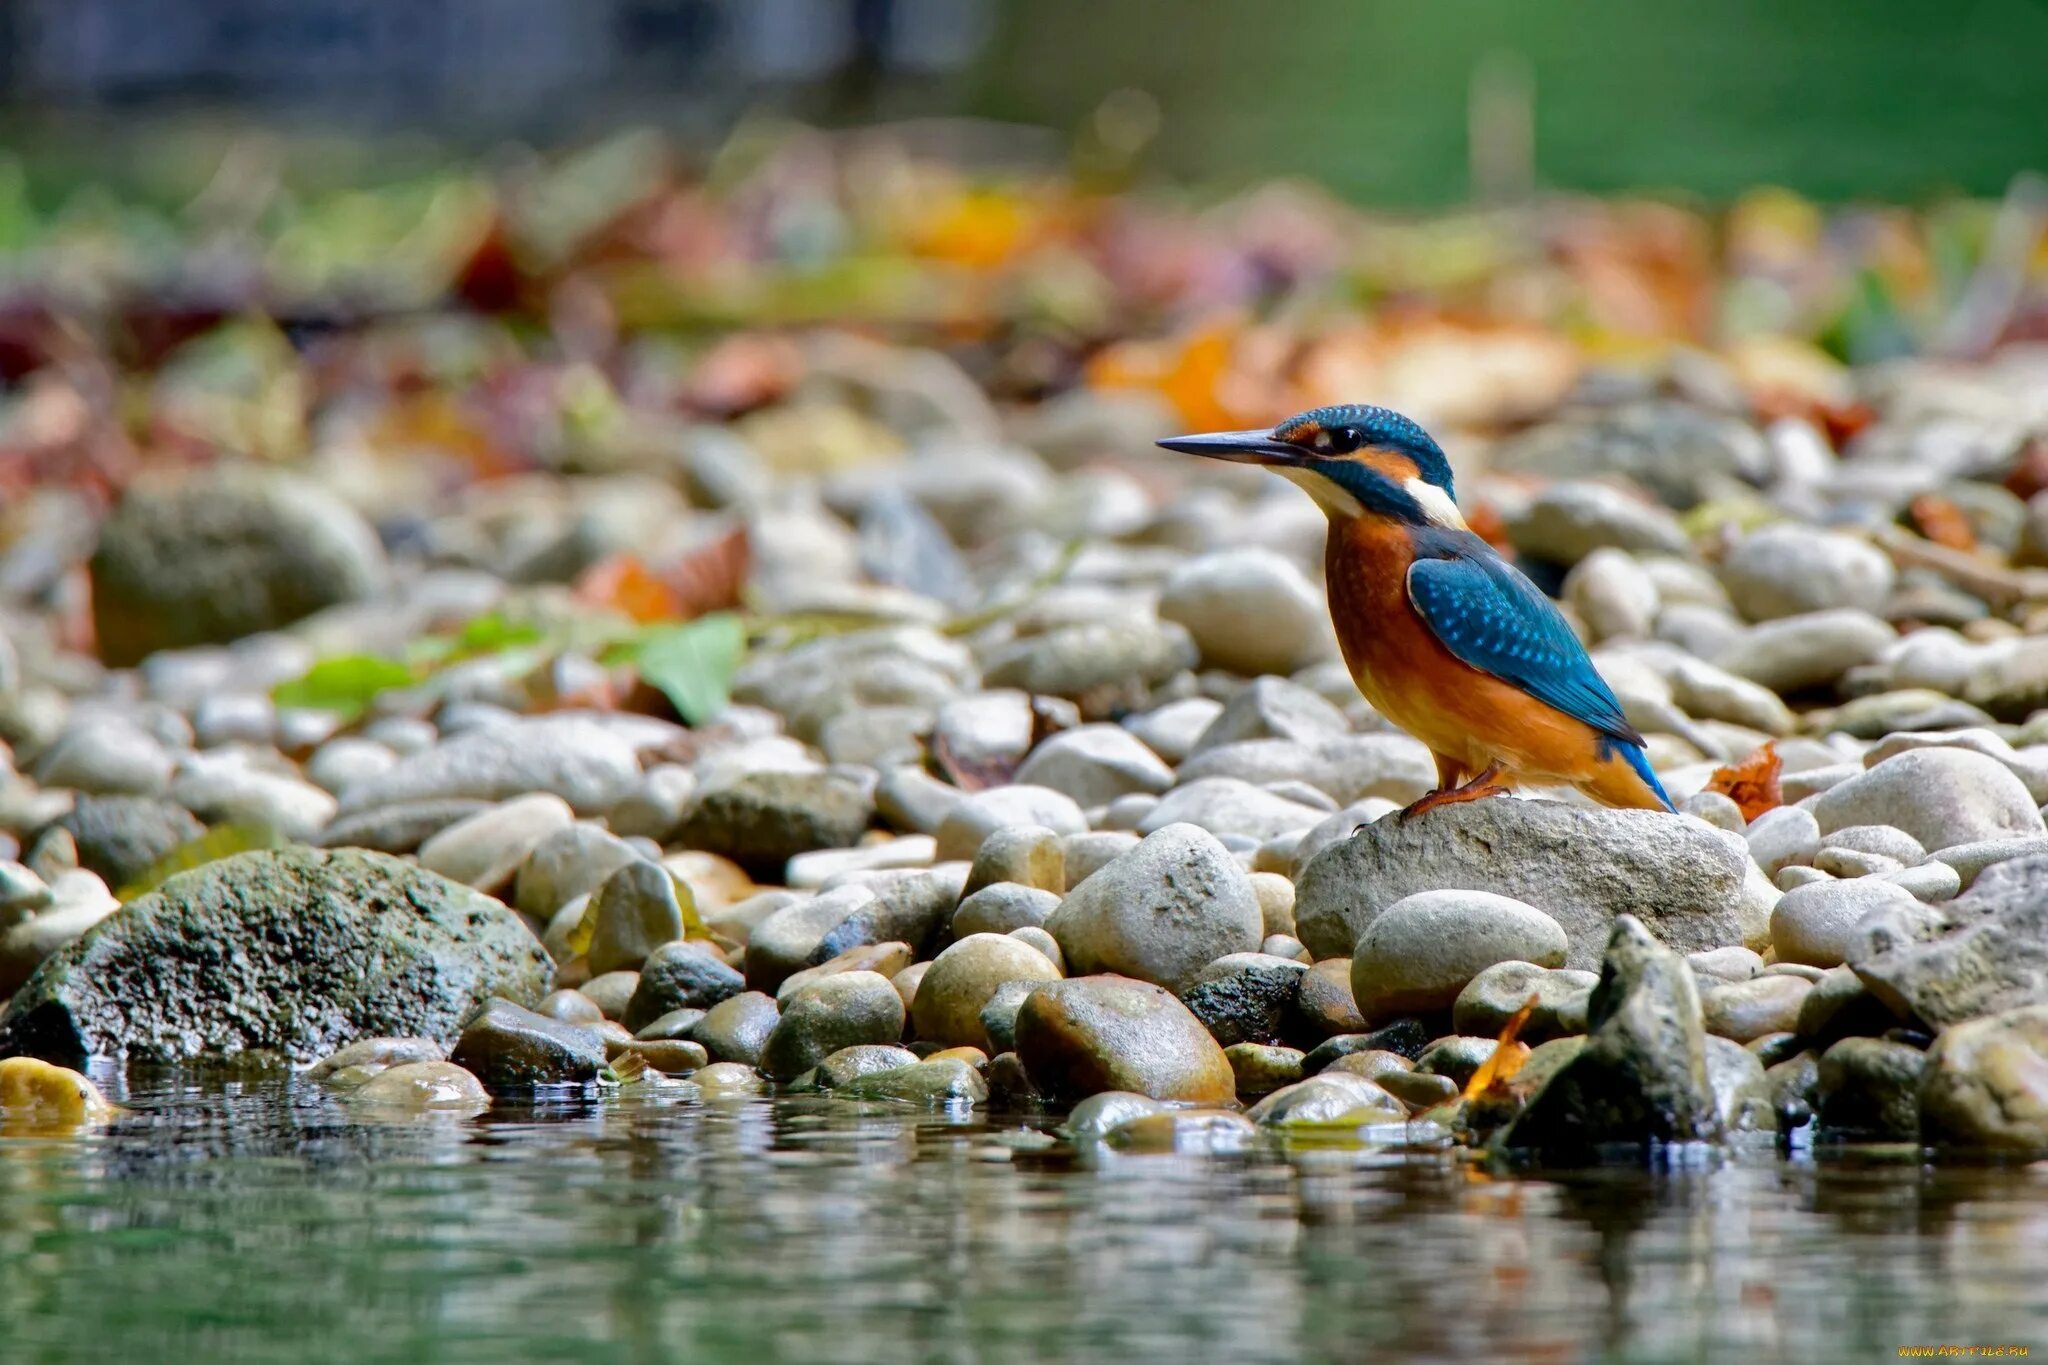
<point x="1094" y="1033"/>
<point x="633" y="912"/>
<point x="736" y="1029"/>
<point x="850" y="1063"/>
<point x="1869" y="1090"/>
<point x="677" y="976"/>
<point x="1246" y="997"/>
<point x="512" y="1049"/>
<point x="1262" y="1068"/>
<point x="1497" y="994"/>
<point x="838" y="1011"/>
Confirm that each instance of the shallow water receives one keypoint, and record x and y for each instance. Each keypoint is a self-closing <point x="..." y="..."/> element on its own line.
<point x="260" y="1221"/>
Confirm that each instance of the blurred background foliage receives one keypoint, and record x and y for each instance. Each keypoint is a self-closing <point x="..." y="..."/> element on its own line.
<point x="1886" y="99"/>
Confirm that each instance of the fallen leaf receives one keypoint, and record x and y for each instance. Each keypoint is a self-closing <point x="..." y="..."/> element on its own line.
<point x="692" y="663"/>
<point x="712" y="577"/>
<point x="1507" y="1057"/>
<point x="345" y="684"/>
<point x="1941" y="521"/>
<point x="621" y="583"/>
<point x="1752" y="781"/>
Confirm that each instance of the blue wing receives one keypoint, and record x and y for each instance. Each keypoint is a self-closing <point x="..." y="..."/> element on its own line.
<point x="1492" y="618"/>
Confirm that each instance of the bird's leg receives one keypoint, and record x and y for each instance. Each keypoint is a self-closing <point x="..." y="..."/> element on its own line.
<point x="1485" y="784"/>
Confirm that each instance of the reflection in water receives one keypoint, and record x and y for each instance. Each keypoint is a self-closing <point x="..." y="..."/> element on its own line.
<point x="258" y="1220"/>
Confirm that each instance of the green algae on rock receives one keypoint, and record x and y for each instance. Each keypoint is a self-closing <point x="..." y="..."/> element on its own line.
<point x="289" y="952"/>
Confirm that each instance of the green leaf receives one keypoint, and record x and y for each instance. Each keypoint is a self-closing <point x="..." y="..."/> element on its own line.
<point x="692" y="664"/>
<point x="345" y="684"/>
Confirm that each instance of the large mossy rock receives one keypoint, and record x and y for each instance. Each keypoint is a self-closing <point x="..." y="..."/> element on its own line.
<point x="208" y="557"/>
<point x="289" y="952"/>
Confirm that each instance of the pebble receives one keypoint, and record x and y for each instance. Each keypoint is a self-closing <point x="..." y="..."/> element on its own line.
<point x="1869" y="1090"/>
<point x="1813" y="649"/>
<point x="1418" y="954"/>
<point x="431" y="1086"/>
<point x="578" y="759"/>
<point x="486" y="850"/>
<point x="1002" y="907"/>
<point x="1813" y="924"/>
<point x="1787" y="569"/>
<point x="1095" y="764"/>
<point x="1262" y="1068"/>
<point x="1229" y="805"/>
<point x="963" y="979"/>
<point x="109" y="757"/>
<point x="1782" y="837"/>
<point x="737" y="1028"/>
<point x="832" y="1013"/>
<point x="972" y="819"/>
<point x="1024" y="855"/>
<point x="1752" y="1009"/>
<point x="676" y="976"/>
<point x="120" y="838"/>
<point x="1985" y="1084"/>
<point x="566" y="863"/>
<point x="1160" y="912"/>
<point x="513" y="1050"/>
<point x="864" y="1059"/>
<point x="1940" y="797"/>
<point x="1247" y="998"/>
<point x="1090" y="1034"/>
<point x="761" y="820"/>
<point x="632" y="913"/>
<point x="1270" y="708"/>
<point x="1248" y="611"/>
<point x="1494" y="996"/>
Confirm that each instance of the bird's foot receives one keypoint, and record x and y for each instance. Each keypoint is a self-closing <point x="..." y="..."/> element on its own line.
<point x="1478" y="789"/>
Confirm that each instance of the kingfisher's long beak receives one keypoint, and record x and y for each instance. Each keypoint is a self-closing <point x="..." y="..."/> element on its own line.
<point x="1239" y="447"/>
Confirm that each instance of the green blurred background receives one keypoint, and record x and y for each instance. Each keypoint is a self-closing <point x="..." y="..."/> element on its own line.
<point x="1884" y="99"/>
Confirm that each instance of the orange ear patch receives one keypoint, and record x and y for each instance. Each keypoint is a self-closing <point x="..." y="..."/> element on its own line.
<point x="1396" y="466"/>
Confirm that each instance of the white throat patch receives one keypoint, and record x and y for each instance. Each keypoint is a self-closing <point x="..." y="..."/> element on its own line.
<point x="1435" y="503"/>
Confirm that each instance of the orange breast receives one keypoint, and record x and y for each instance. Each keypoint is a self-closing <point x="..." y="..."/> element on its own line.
<point x="1409" y="676"/>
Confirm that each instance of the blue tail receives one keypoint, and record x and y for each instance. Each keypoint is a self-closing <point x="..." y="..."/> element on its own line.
<point x="1640" y="761"/>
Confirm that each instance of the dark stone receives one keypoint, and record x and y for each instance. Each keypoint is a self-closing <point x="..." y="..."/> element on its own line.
<point x="1456" y="1057"/>
<point x="1326" y="1008"/>
<point x="916" y="910"/>
<point x="834" y="1012"/>
<point x="122" y="837"/>
<point x="1642" y="1074"/>
<point x="292" y="952"/>
<point x="1420" y="1090"/>
<point x="512" y="1049"/>
<point x="1260" y="1069"/>
<point x="764" y="819"/>
<point x="1869" y="1090"/>
<point x="680" y="976"/>
<point x="999" y="1015"/>
<point x="1405" y="1037"/>
<point x="675" y="1024"/>
<point x="736" y="1030"/>
<point x="397" y="828"/>
<point x="1246" y="997"/>
<point x="1793" y="1087"/>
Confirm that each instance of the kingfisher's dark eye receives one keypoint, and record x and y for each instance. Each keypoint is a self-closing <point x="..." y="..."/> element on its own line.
<point x="1335" y="441"/>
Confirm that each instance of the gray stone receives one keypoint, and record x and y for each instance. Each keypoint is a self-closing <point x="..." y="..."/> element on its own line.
<point x="121" y="837"/>
<point x="1642" y="1074"/>
<point x="1813" y="924"/>
<point x="286" y="951"/>
<point x="1725" y="964"/>
<point x="399" y="828"/>
<point x="1785" y="836"/>
<point x="938" y="1083"/>
<point x="849" y="1064"/>
<point x="680" y="976"/>
<point x="1248" y="611"/>
<point x="193" y="558"/>
<point x="987" y="734"/>
<point x="108" y="757"/>
<point x="512" y="1049"/>
<point x="1692" y="885"/>
<point x="1610" y="593"/>
<point x="1326" y="1006"/>
<point x="792" y="937"/>
<point x="1786" y="569"/>
<point x="1568" y="521"/>
<point x="1172" y="731"/>
<point x="228" y="792"/>
<point x="655" y="804"/>
<point x="1684" y="452"/>
<point x="1970" y="860"/>
<point x="1752" y="1009"/>
<point x="972" y="819"/>
<point x="1089" y="1034"/>
<point x="1096" y="1116"/>
<point x="1230" y="806"/>
<point x="1941" y="797"/>
<point x="1328" y="1100"/>
<point x="485" y="850"/>
<point x="343" y="762"/>
<point x="1985" y="1084"/>
<point x="1095" y="764"/>
<point x="737" y="1028"/>
<point x="1087" y="854"/>
<point x="1984" y="953"/>
<point x="1002" y="907"/>
<point x="1497" y="994"/>
<point x="1161" y="912"/>
<point x="835" y="1012"/>
<point x="1087" y="662"/>
<point x="578" y="759"/>
<point x="635" y="911"/>
<point x="1025" y="855"/>
<point x="999" y="1014"/>
<point x="366" y="1057"/>
<point x="962" y="980"/>
<point x="1742" y="1096"/>
<point x="1810" y="650"/>
<point x="566" y="864"/>
<point x="1272" y="708"/>
<point x="1416" y="956"/>
<point x="761" y="820"/>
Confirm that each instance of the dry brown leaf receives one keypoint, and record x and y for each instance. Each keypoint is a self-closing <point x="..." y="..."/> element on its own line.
<point x="1751" y="782"/>
<point x="712" y="577"/>
<point x="1944" y="523"/>
<point x="623" y="584"/>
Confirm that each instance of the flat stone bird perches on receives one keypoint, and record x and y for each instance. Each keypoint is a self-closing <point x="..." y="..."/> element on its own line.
<point x="1444" y="637"/>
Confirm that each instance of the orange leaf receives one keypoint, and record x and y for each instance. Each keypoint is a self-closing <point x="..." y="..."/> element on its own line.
<point x="1508" y="1055"/>
<point x="712" y="577"/>
<point x="1942" y="522"/>
<point x="1752" y="781"/>
<point x="622" y="583"/>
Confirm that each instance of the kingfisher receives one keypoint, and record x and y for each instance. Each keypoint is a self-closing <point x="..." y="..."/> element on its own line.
<point x="1444" y="637"/>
